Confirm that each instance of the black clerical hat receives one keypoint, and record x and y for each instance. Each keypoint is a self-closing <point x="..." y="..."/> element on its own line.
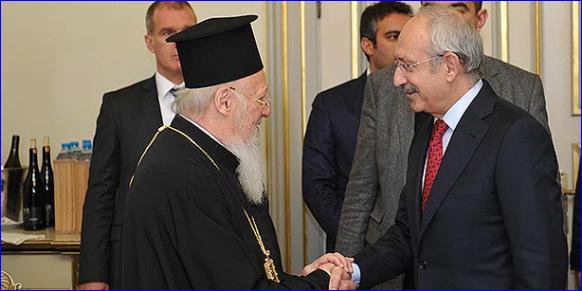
<point x="218" y="50"/>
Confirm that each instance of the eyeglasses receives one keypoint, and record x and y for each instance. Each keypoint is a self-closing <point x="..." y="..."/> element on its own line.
<point x="409" y="68"/>
<point x="264" y="103"/>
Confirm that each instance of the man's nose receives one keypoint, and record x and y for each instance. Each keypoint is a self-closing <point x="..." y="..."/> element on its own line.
<point x="266" y="111"/>
<point x="399" y="78"/>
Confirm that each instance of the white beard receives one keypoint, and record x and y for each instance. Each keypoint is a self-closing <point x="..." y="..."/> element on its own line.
<point x="250" y="170"/>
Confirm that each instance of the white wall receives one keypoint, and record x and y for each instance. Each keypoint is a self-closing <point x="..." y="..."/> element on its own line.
<point x="59" y="58"/>
<point x="557" y="80"/>
<point x="334" y="39"/>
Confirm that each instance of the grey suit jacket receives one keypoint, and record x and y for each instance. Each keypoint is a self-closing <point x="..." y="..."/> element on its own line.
<point x="384" y="137"/>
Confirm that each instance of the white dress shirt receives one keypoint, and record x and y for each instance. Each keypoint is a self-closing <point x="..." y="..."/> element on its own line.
<point x="165" y="98"/>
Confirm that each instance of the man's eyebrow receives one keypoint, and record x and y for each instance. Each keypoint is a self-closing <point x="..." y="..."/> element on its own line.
<point x="167" y="29"/>
<point x="460" y="5"/>
<point x="453" y="5"/>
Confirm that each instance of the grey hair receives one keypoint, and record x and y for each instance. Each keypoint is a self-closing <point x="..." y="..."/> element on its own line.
<point x="450" y="32"/>
<point x="194" y="101"/>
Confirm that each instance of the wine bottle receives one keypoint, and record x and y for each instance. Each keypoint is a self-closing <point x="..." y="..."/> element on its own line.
<point x="33" y="193"/>
<point x="47" y="175"/>
<point x="13" y="172"/>
<point x="13" y="160"/>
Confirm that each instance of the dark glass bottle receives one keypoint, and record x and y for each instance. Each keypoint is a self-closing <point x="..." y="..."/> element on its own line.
<point x="13" y="160"/>
<point x="48" y="177"/>
<point x="33" y="193"/>
<point x="13" y="173"/>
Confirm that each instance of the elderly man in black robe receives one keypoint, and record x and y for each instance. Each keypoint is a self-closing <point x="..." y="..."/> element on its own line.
<point x="196" y="214"/>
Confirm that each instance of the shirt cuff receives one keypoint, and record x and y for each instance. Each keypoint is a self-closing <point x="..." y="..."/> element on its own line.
<point x="356" y="275"/>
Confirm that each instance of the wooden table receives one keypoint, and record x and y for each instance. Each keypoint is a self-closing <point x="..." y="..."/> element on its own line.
<point x="46" y="263"/>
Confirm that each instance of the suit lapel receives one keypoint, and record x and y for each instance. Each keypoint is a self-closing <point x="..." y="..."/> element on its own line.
<point x="419" y="119"/>
<point x="465" y="140"/>
<point x="417" y="167"/>
<point x="150" y="105"/>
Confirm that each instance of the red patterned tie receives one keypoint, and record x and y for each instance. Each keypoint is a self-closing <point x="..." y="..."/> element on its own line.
<point x="435" y="156"/>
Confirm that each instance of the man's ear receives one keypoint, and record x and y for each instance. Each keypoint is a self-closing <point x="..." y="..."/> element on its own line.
<point x="149" y="42"/>
<point x="481" y="19"/>
<point x="367" y="46"/>
<point x="453" y="65"/>
<point x="224" y="100"/>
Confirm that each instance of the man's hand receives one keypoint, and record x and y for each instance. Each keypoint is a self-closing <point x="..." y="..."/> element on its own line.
<point x="335" y="259"/>
<point x="339" y="279"/>
<point x="93" y="286"/>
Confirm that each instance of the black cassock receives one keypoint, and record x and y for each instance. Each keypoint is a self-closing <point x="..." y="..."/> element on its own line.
<point x="184" y="224"/>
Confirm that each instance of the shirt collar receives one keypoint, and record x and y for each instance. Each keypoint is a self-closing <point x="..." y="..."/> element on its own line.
<point x="164" y="85"/>
<point x="454" y="114"/>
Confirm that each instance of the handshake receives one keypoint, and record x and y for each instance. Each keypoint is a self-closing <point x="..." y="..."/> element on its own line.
<point x="338" y="267"/>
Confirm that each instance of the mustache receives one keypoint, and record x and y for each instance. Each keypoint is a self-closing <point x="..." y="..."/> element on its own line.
<point x="408" y="89"/>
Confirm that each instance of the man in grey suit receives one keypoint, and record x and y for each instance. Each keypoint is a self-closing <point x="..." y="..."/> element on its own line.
<point x="385" y="134"/>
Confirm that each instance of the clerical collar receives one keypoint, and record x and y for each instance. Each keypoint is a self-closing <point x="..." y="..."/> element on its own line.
<point x="215" y="149"/>
<point x="204" y="130"/>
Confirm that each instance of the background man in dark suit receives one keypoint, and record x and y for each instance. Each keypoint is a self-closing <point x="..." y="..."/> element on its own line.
<point x="481" y="207"/>
<point x="386" y="131"/>
<point x="127" y="120"/>
<point x="330" y="139"/>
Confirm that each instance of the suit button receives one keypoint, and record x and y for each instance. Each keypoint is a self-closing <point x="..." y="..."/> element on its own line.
<point x="422" y="265"/>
